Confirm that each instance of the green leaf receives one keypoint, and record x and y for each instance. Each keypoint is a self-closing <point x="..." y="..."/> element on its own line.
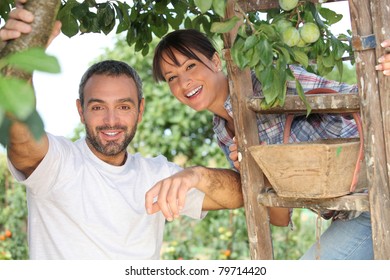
<point x="106" y="17"/>
<point x="265" y="76"/>
<point x="249" y="58"/>
<point x="256" y="57"/>
<point x="175" y="21"/>
<point x="330" y="16"/>
<point x="340" y="68"/>
<point x="80" y="11"/>
<point x="219" y="7"/>
<point x="338" y="48"/>
<point x="145" y="50"/>
<point x="180" y="7"/>
<point x="322" y="69"/>
<point x="300" y="57"/>
<point x="226" y="26"/>
<point x="284" y="54"/>
<point x="268" y="30"/>
<point x="250" y="42"/>
<point x="266" y="55"/>
<point x="161" y="7"/>
<point x="329" y="60"/>
<point x="160" y="28"/>
<point x="2" y="115"/>
<point x="17" y="97"/>
<point x="34" y="59"/>
<point x="69" y="27"/>
<point x="4" y="131"/>
<point x="131" y="35"/>
<point x="301" y="94"/>
<point x="187" y="23"/>
<point x="236" y="51"/>
<point x="35" y="124"/>
<point x="203" y="5"/>
<point x="122" y="16"/>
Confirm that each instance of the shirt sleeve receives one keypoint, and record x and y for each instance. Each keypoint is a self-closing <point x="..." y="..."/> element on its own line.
<point x="194" y="199"/>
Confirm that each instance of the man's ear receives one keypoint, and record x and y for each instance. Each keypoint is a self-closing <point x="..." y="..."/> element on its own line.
<point x="80" y="110"/>
<point x="141" y="109"/>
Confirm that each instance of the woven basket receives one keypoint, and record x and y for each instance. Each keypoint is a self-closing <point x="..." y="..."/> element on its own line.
<point x="321" y="169"/>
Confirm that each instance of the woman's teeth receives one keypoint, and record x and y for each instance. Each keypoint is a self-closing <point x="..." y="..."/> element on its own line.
<point x="193" y="92"/>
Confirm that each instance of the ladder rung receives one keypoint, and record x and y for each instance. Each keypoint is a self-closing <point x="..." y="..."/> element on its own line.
<point x="356" y="201"/>
<point x="319" y="103"/>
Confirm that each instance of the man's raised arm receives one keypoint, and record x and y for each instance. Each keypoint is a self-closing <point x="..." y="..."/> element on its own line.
<point x="24" y="151"/>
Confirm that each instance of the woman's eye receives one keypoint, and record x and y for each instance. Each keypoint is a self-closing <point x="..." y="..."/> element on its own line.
<point x="192" y="65"/>
<point x="170" y="79"/>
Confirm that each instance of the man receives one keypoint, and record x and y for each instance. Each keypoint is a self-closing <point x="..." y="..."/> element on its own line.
<point x="92" y="199"/>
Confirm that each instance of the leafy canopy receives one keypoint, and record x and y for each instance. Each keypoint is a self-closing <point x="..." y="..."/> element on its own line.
<point x="259" y="44"/>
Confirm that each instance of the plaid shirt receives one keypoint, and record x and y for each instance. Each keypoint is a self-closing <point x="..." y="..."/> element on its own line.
<point x="314" y="127"/>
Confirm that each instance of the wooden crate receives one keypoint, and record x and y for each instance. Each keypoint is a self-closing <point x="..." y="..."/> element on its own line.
<point x="320" y="169"/>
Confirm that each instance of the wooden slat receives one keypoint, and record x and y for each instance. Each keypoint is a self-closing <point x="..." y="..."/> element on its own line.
<point x="259" y="5"/>
<point x="259" y="230"/>
<point x="319" y="103"/>
<point x="358" y="202"/>
<point x="372" y="17"/>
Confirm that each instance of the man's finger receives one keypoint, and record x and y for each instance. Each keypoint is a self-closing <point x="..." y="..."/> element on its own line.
<point x="150" y="197"/>
<point x="172" y="197"/>
<point x="162" y="200"/>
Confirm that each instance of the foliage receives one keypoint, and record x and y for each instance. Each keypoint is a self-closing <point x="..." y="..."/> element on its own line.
<point x="13" y="217"/>
<point x="259" y="44"/>
<point x="141" y="20"/>
<point x="267" y="44"/>
<point x="17" y="95"/>
<point x="186" y="136"/>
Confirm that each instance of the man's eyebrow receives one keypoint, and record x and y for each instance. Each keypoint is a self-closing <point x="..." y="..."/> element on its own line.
<point x="121" y="100"/>
<point x="95" y="100"/>
<point x="124" y="100"/>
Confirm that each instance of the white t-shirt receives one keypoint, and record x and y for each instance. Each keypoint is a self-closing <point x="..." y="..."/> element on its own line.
<point x="83" y="208"/>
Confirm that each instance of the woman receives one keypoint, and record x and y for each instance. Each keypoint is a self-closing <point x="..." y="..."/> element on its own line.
<point x="190" y="64"/>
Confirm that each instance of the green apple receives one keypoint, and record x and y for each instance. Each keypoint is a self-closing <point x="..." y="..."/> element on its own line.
<point x="288" y="5"/>
<point x="309" y="32"/>
<point x="282" y="24"/>
<point x="290" y="36"/>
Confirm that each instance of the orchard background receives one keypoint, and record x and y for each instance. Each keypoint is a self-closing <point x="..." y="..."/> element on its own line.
<point x="172" y="129"/>
<point x="188" y="140"/>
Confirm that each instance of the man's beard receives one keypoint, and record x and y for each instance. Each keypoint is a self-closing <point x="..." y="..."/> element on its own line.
<point x="111" y="148"/>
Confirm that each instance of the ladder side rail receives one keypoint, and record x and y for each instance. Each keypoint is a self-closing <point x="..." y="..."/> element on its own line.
<point x="257" y="217"/>
<point x="370" y="17"/>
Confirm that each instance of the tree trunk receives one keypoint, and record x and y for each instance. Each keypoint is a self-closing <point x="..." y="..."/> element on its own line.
<point x="45" y="12"/>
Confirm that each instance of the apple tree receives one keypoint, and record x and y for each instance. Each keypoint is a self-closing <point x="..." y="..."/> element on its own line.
<point x="293" y="32"/>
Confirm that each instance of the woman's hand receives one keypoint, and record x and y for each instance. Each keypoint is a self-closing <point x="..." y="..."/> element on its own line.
<point x="384" y="60"/>
<point x="234" y="154"/>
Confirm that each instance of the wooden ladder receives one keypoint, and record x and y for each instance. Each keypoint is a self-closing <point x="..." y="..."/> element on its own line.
<point x="368" y="20"/>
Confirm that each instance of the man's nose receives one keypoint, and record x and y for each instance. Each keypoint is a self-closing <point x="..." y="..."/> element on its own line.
<point x="110" y="117"/>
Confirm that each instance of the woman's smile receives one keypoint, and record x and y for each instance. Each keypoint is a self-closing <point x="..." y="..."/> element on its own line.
<point x="194" y="92"/>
